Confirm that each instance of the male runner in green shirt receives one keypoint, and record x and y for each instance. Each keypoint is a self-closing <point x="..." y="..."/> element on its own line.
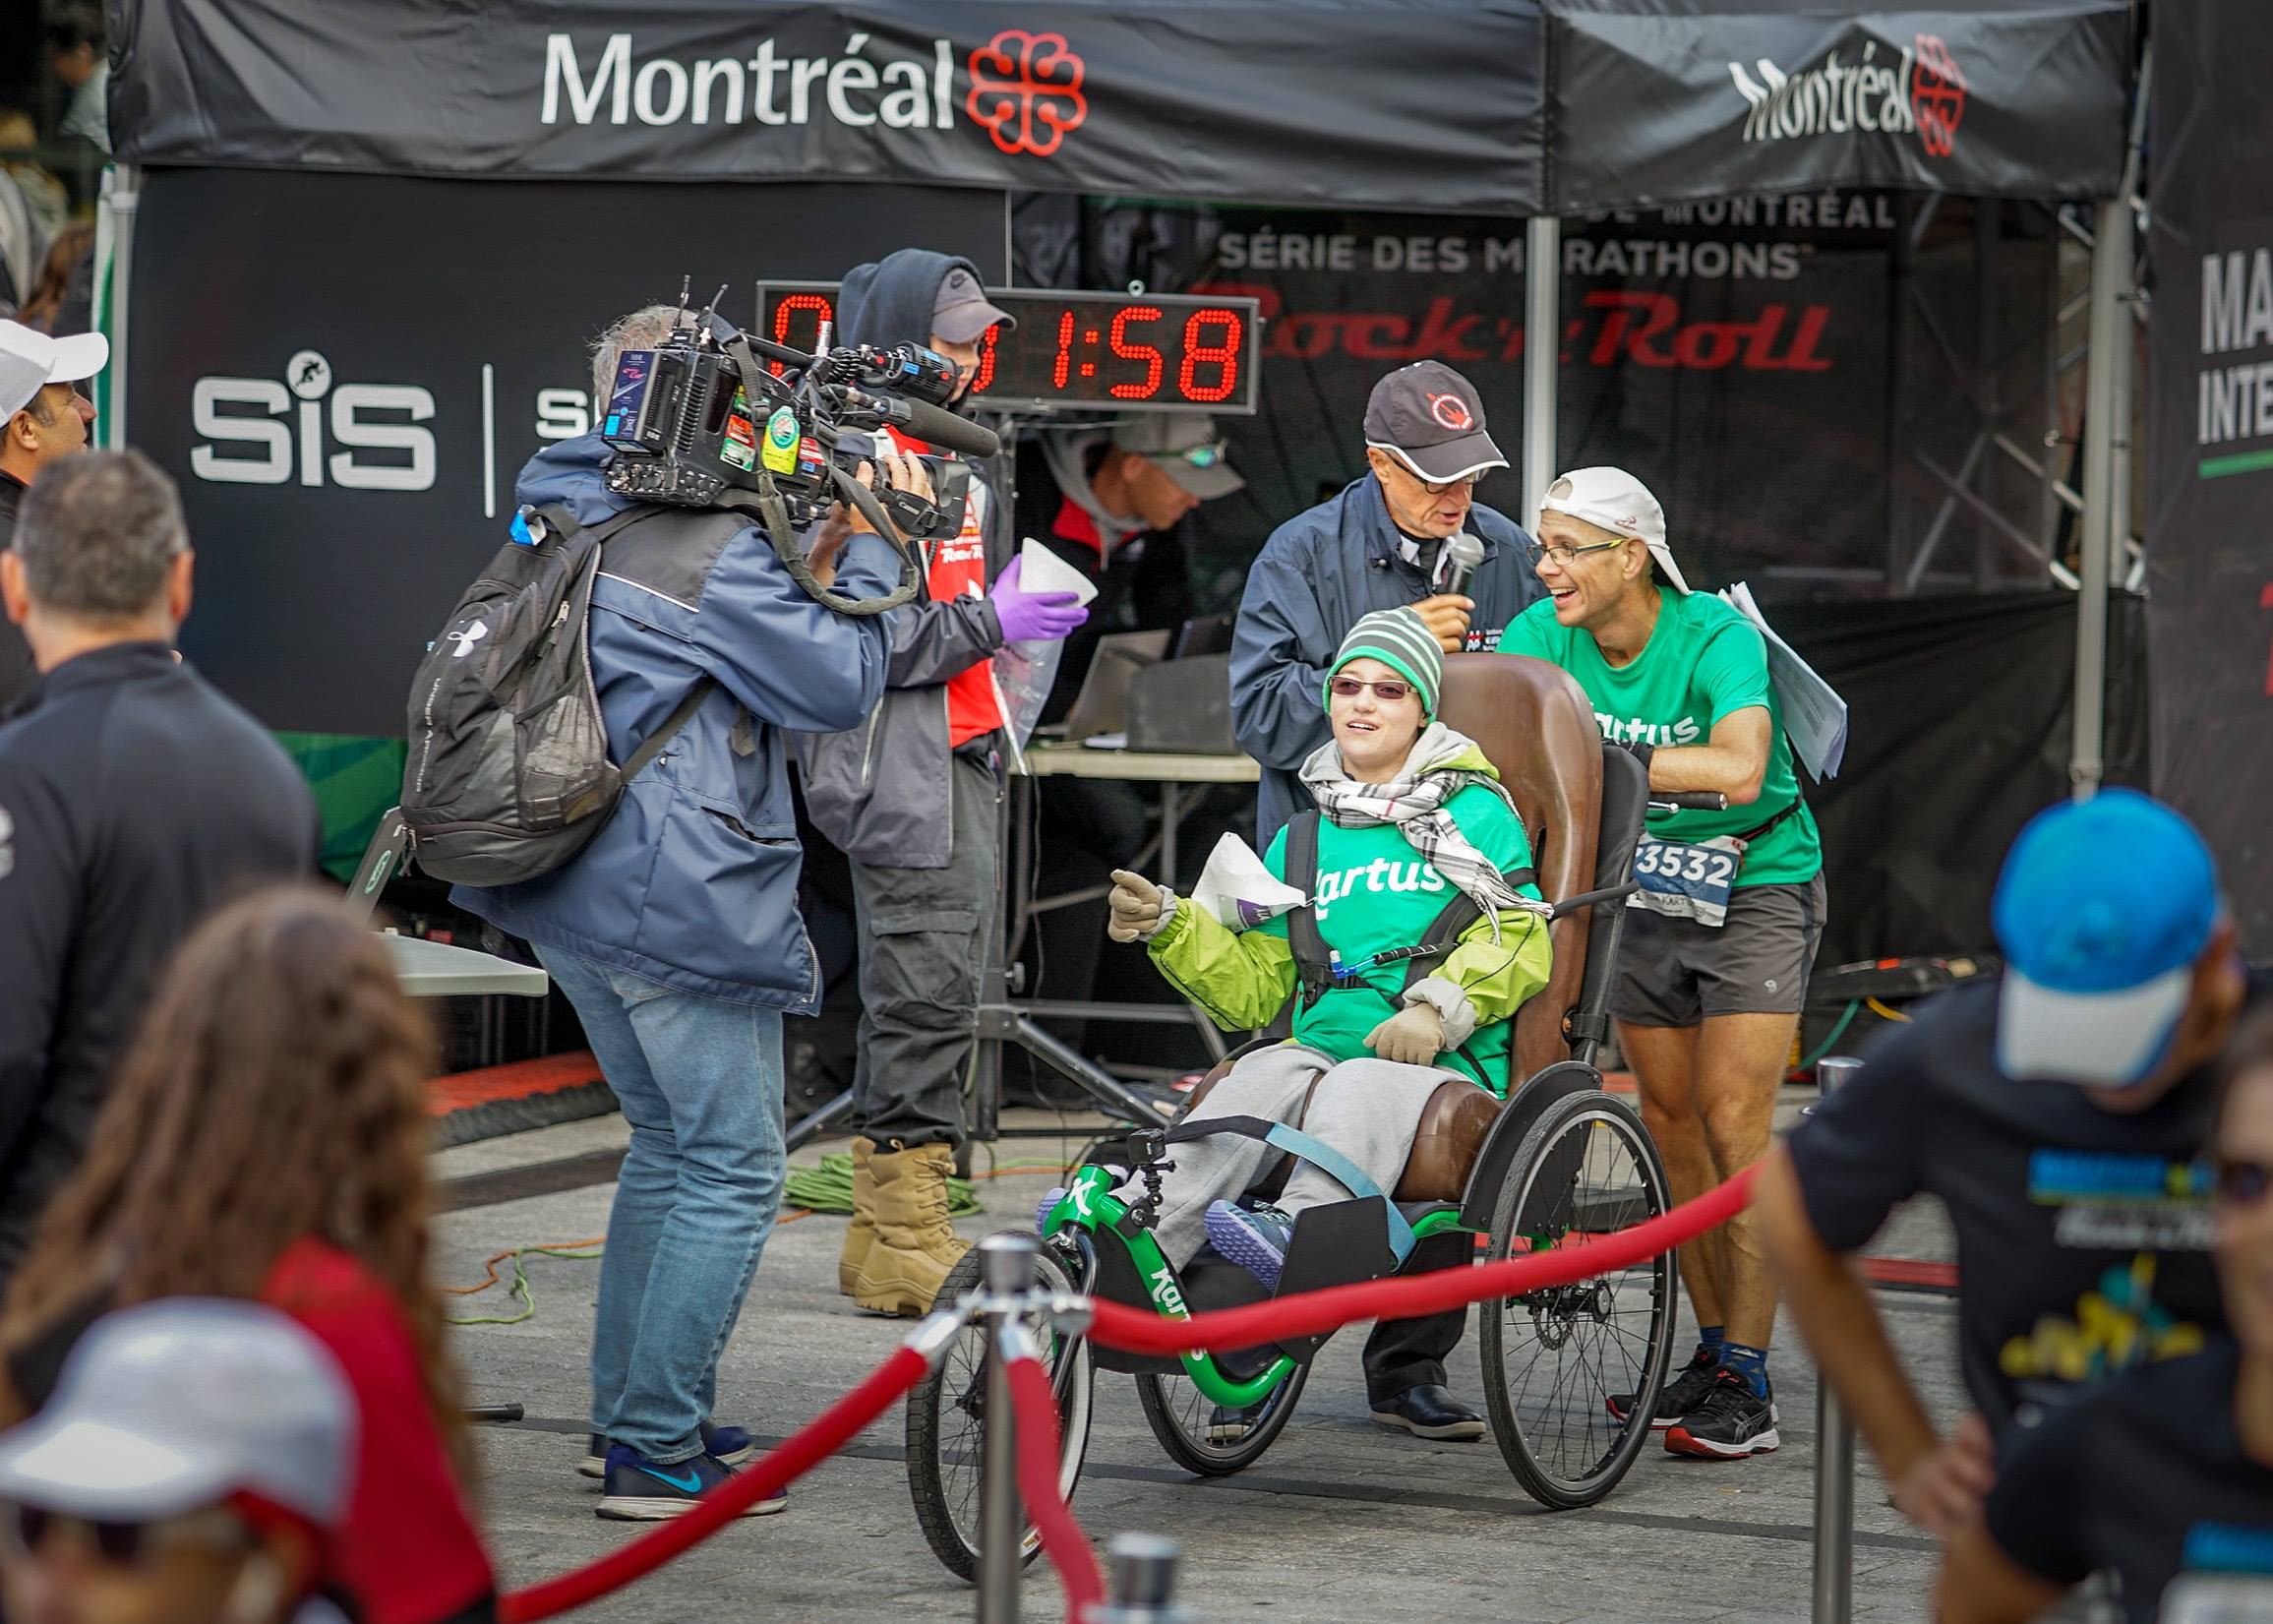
<point x="1713" y="965"/>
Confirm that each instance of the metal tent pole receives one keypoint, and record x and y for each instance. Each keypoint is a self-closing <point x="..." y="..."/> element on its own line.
<point x="2106" y="438"/>
<point x="114" y="220"/>
<point x="1543" y="349"/>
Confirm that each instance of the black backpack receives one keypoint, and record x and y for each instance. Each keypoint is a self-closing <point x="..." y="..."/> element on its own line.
<point x="508" y="775"/>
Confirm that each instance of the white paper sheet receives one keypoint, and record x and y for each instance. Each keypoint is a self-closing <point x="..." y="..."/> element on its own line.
<point x="1813" y="714"/>
<point x="1044" y="572"/>
<point x="1240" y="890"/>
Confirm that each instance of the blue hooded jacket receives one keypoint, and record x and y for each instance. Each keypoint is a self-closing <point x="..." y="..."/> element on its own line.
<point x="1317" y="574"/>
<point x="693" y="884"/>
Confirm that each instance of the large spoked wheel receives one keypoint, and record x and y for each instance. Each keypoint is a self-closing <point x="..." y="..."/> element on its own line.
<point x="1552" y="1359"/>
<point x="947" y="1419"/>
<point x="1213" y="1443"/>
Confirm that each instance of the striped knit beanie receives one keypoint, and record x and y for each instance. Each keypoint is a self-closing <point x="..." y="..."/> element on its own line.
<point x="1402" y="640"/>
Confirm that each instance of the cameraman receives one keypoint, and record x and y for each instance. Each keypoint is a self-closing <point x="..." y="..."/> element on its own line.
<point x="914" y="798"/>
<point x="676" y="932"/>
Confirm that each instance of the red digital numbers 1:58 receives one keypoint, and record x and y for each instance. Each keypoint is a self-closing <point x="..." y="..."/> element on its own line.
<point x="1108" y="351"/>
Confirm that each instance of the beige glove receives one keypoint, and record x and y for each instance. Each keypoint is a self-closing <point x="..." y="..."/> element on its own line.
<point x="1411" y="1037"/>
<point x="1139" y="907"/>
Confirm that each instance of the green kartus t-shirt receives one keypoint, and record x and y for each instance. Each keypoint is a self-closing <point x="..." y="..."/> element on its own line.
<point x="1702" y="661"/>
<point x="1376" y="893"/>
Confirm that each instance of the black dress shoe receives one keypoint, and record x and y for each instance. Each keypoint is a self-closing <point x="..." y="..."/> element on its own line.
<point x="1430" y="1413"/>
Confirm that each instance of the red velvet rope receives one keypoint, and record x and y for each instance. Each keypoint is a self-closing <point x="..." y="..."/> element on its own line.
<point x="1038" y="1460"/>
<point x="828" y="1433"/>
<point x="1142" y="1331"/>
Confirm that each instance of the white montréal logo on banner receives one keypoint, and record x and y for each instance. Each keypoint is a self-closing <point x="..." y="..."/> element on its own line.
<point x="262" y="430"/>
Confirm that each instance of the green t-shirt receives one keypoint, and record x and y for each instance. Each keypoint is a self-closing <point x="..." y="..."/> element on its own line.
<point x="1702" y="661"/>
<point x="1375" y="894"/>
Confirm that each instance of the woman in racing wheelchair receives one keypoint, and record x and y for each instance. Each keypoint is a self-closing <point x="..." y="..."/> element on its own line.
<point x="1415" y="837"/>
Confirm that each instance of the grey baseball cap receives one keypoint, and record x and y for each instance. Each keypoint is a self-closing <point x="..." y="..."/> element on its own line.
<point x="961" y="314"/>
<point x="1184" y="446"/>
<point x="173" y="1405"/>
<point x="1432" y="420"/>
<point x="30" y="360"/>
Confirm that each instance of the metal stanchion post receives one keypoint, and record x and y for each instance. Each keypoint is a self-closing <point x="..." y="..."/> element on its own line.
<point x="1144" y="1583"/>
<point x="1834" y="1572"/>
<point x="1005" y="1277"/>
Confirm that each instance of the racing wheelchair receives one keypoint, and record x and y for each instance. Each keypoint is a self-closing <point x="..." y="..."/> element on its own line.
<point x="1556" y="1163"/>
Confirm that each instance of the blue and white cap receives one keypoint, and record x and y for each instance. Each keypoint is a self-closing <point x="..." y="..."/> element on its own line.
<point x="2102" y="909"/>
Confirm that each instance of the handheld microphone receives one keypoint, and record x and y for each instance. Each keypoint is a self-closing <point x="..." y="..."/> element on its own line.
<point x="939" y="428"/>
<point x="1465" y="552"/>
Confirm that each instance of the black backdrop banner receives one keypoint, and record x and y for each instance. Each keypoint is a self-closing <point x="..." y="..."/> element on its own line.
<point x="1737" y="352"/>
<point x="2210" y="438"/>
<point x="346" y="410"/>
<point x="1958" y="716"/>
<point x="1655" y="102"/>
<point x="1418" y="105"/>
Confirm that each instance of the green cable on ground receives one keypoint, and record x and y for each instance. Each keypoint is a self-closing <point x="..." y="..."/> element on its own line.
<point x="1853" y="1004"/>
<point x="517" y="1284"/>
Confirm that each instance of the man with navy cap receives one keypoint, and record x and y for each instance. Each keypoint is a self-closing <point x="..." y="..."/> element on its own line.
<point x="1385" y="542"/>
<point x="2061" y="1113"/>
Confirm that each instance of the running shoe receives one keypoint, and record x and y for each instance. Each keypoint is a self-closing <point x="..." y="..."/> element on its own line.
<point x="1226" y="1426"/>
<point x="729" y="1446"/>
<point x="641" y="1491"/>
<point x="1732" y="1424"/>
<point x="1678" y="1397"/>
<point x="1255" y="1240"/>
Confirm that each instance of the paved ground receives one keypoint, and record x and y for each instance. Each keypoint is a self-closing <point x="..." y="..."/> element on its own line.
<point x="1341" y="1521"/>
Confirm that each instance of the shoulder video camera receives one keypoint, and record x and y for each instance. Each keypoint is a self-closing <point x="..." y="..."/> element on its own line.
<point x="716" y="418"/>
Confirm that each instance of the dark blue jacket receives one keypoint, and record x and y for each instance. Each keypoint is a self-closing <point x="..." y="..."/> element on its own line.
<point x="694" y="881"/>
<point x="1317" y="574"/>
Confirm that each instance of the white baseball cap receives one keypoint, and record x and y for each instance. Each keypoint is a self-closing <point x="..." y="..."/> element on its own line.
<point x="30" y="360"/>
<point x="1611" y="499"/>
<point x="170" y="1406"/>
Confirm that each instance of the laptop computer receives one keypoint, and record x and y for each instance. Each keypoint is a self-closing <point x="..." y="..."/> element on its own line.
<point x="1209" y="635"/>
<point x="1101" y="705"/>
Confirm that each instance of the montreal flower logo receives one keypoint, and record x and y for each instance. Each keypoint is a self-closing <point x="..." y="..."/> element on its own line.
<point x="1026" y="92"/>
<point x="1936" y="96"/>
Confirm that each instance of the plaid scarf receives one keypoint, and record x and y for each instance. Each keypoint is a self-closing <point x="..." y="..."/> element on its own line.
<point x="1442" y="765"/>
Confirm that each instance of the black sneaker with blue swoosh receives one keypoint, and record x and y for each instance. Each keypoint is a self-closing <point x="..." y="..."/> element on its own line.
<point x="641" y="1491"/>
<point x="728" y="1445"/>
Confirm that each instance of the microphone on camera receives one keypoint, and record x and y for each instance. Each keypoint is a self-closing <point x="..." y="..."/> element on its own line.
<point x="936" y="427"/>
<point x="1466" y="551"/>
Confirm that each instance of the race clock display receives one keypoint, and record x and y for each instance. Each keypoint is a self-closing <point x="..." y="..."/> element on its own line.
<point x="1104" y="352"/>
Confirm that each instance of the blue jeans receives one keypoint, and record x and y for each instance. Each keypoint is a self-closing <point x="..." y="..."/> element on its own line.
<point x="701" y="1083"/>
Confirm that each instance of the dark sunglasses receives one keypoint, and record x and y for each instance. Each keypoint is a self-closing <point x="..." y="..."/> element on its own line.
<point x="1349" y="688"/>
<point x="2243" y="1183"/>
<point x="121" y="1544"/>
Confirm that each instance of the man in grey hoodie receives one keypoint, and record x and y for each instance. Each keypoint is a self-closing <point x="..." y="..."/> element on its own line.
<point x="914" y="798"/>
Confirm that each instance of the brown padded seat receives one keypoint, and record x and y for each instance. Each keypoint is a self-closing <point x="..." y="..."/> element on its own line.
<point x="1534" y="723"/>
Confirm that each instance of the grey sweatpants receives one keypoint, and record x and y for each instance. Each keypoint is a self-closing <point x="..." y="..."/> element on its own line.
<point x="1367" y="1110"/>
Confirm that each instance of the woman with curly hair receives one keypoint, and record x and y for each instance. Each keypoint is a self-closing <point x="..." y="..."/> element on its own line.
<point x="266" y="1139"/>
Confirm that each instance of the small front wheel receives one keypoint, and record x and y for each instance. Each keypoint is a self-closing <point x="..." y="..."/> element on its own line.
<point x="1202" y="1436"/>
<point x="1553" y="1359"/>
<point x="947" y="1419"/>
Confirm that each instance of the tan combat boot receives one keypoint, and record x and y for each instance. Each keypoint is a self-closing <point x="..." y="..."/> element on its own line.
<point x="915" y="1244"/>
<point x="853" y="1261"/>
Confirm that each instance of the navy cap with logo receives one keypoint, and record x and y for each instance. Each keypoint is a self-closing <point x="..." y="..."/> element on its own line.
<point x="1432" y="420"/>
<point x="961" y="314"/>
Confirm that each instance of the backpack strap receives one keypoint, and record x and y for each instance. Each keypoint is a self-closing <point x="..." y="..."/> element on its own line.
<point x="1314" y="962"/>
<point x="563" y="523"/>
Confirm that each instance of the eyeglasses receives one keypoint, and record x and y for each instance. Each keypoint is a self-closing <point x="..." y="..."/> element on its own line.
<point x="1389" y="694"/>
<point x="124" y="1544"/>
<point x="1562" y="554"/>
<point x="1435" y="487"/>
<point x="2243" y="1183"/>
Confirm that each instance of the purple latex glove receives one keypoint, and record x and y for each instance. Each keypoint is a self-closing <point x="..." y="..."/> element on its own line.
<point x="1033" y="616"/>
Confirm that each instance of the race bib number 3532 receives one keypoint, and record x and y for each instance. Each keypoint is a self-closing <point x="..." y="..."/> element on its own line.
<point x="1686" y="882"/>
